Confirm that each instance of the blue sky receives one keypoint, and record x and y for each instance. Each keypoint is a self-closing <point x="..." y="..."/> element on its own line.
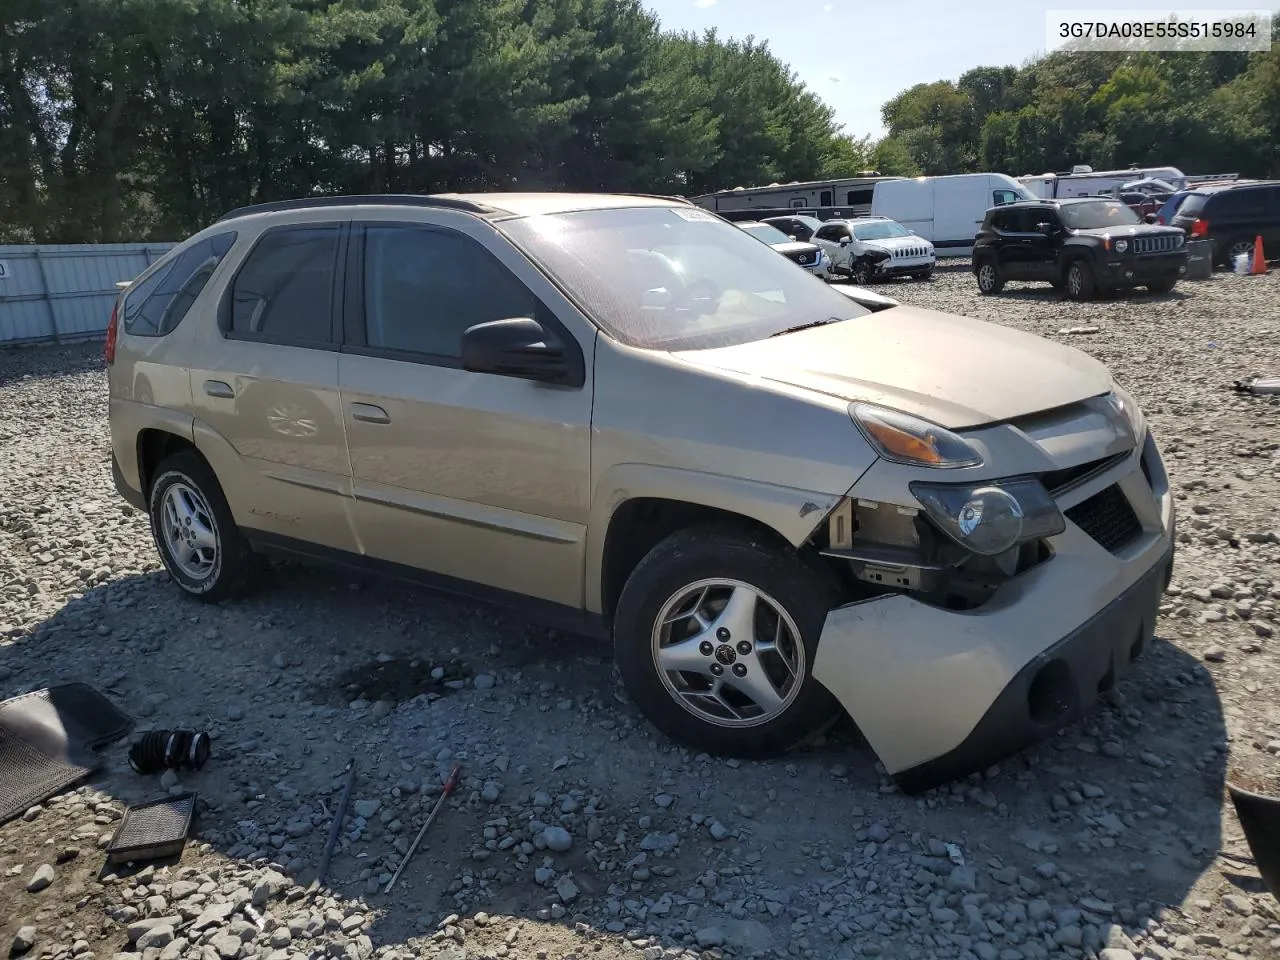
<point x="856" y="54"/>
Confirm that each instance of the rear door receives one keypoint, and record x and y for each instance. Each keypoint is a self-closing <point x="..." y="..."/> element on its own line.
<point x="476" y="478"/>
<point x="264" y="387"/>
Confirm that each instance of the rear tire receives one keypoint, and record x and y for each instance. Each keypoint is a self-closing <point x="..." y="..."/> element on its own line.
<point x="194" y="532"/>
<point x="1080" y="281"/>
<point x="715" y="636"/>
<point x="1234" y="247"/>
<point x="989" y="280"/>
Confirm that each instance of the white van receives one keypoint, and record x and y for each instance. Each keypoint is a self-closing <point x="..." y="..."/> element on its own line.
<point x="946" y="211"/>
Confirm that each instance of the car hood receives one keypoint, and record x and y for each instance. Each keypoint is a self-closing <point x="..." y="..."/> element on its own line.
<point x="896" y="243"/>
<point x="952" y="370"/>
<point x="793" y="247"/>
<point x="1129" y="230"/>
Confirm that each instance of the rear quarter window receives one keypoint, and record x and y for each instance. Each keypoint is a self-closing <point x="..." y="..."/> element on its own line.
<point x="1192" y="205"/>
<point x="157" y="305"/>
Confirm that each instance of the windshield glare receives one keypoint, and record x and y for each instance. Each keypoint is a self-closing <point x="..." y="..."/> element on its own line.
<point x="1098" y="214"/>
<point x="767" y="233"/>
<point x="880" y="230"/>
<point x="676" y="278"/>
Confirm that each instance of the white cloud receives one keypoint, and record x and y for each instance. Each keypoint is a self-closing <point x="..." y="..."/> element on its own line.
<point x="835" y="78"/>
<point x="704" y="3"/>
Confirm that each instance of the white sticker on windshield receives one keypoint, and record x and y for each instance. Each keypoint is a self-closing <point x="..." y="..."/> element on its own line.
<point x="693" y="213"/>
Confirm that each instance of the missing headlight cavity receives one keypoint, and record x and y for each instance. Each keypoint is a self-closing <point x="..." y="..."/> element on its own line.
<point x="885" y="547"/>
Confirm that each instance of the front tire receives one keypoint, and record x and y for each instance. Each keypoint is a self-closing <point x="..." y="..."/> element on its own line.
<point x="861" y="273"/>
<point x="194" y="532"/>
<point x="1161" y="286"/>
<point x="1081" y="283"/>
<point x="715" y="636"/>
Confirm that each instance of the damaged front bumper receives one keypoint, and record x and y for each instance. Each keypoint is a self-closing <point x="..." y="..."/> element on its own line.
<point x="941" y="693"/>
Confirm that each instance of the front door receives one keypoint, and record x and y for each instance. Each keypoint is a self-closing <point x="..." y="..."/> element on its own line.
<point x="265" y="389"/>
<point x="832" y="237"/>
<point x="477" y="478"/>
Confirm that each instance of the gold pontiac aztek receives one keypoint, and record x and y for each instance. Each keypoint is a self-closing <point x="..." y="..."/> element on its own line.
<point x="629" y="418"/>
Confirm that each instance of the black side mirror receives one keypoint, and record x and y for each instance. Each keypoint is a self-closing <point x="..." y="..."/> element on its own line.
<point x="520" y="347"/>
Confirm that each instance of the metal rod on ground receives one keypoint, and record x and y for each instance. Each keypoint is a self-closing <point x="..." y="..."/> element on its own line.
<point x="448" y="789"/>
<point x="338" y="816"/>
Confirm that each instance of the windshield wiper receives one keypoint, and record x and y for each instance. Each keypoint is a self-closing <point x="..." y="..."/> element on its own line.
<point x="807" y="326"/>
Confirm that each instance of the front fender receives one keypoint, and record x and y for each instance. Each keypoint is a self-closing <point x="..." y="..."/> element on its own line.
<point x="791" y="512"/>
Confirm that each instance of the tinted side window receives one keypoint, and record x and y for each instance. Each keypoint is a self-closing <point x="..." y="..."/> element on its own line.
<point x="1235" y="203"/>
<point x="284" y="291"/>
<point x="159" y="303"/>
<point x="1001" y="197"/>
<point x="854" y="197"/>
<point x="424" y="287"/>
<point x="831" y="233"/>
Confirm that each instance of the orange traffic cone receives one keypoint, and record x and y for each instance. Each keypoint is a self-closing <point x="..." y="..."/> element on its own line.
<point x="1259" y="264"/>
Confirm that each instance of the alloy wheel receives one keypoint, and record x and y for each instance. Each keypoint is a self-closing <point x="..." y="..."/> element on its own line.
<point x="728" y="653"/>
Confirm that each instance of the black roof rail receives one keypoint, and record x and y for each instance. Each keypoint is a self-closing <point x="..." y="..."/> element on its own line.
<point x="379" y="199"/>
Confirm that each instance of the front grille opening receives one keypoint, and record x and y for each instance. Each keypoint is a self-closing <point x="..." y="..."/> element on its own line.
<point x="1051" y="694"/>
<point x="1108" y="518"/>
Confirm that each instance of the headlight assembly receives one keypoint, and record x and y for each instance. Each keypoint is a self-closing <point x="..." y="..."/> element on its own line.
<point x="903" y="438"/>
<point x="1125" y="406"/>
<point x="989" y="518"/>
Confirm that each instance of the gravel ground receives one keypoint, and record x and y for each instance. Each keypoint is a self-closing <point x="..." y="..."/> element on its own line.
<point x="576" y="832"/>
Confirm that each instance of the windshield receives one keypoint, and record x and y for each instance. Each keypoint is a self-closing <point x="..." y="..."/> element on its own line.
<point x="1098" y="214"/>
<point x="880" y="230"/>
<point x="762" y="231"/>
<point x="676" y="278"/>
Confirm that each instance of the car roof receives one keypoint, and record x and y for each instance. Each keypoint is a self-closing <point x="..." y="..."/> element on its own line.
<point x="495" y="206"/>
<point x="1210" y="190"/>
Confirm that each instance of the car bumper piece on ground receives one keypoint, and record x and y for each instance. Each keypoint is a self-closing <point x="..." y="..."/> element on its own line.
<point x="940" y="693"/>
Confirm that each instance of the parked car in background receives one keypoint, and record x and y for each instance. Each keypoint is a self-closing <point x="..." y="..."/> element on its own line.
<point x="622" y="415"/>
<point x="1232" y="216"/>
<point x="946" y="211"/>
<point x="875" y="248"/>
<point x="808" y="255"/>
<point x="1083" y="246"/>
<point x="1143" y="204"/>
<point x="797" y="227"/>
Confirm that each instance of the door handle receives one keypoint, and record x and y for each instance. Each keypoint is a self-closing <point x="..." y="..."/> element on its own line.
<point x="218" y="388"/>
<point x="369" y="413"/>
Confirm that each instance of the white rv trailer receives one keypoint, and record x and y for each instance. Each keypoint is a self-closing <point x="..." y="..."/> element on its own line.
<point x="1084" y="181"/>
<point x="852" y="195"/>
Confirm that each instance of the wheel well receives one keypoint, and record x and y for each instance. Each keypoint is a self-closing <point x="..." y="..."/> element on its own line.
<point x="641" y="524"/>
<point x="154" y="447"/>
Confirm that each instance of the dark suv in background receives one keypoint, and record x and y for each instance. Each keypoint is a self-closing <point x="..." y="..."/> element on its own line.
<point x="1232" y="216"/>
<point x="1082" y="245"/>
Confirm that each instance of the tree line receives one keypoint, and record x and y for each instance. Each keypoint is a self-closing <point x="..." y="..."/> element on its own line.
<point x="132" y="119"/>
<point x="147" y="119"/>
<point x="1203" y="112"/>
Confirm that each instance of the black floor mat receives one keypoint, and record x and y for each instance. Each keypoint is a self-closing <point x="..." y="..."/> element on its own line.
<point x="47" y="742"/>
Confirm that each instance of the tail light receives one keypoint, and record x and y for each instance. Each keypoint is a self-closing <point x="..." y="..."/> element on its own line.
<point x="109" y="351"/>
<point x="1200" y="228"/>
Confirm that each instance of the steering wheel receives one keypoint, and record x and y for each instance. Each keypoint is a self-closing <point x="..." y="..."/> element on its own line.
<point x="700" y="290"/>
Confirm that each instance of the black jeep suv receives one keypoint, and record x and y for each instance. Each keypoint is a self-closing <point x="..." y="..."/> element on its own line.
<point x="1082" y="245"/>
